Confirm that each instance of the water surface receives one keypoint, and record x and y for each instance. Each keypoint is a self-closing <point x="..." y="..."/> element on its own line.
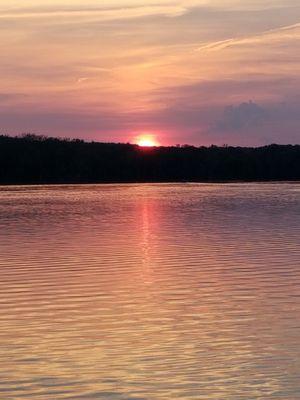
<point x="150" y="292"/>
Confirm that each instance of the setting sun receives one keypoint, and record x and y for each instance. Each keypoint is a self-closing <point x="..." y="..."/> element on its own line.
<point x="147" y="141"/>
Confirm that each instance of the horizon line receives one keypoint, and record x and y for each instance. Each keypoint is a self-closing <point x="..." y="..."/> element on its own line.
<point x="41" y="137"/>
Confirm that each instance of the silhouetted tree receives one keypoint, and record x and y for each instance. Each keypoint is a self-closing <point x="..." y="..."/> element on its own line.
<point x="31" y="159"/>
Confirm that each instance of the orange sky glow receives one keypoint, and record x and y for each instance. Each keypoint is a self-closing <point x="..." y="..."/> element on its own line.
<point x="195" y="71"/>
<point x="147" y="140"/>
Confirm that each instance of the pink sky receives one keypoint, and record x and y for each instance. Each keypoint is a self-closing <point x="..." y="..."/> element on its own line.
<point x="193" y="71"/>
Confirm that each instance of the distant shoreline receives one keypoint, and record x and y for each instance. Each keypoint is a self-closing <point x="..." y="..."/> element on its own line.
<point x="275" y="182"/>
<point x="38" y="160"/>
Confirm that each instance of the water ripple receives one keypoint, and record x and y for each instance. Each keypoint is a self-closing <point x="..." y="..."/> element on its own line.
<point x="150" y="292"/>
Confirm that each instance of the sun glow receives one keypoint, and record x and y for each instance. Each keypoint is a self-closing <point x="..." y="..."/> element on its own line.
<point x="147" y="141"/>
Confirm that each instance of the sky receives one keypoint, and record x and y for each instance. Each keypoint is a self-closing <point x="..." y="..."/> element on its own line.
<point x="196" y="72"/>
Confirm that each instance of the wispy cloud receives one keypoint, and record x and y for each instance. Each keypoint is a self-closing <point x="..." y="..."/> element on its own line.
<point x="102" y="67"/>
<point x="93" y="13"/>
<point x="289" y="32"/>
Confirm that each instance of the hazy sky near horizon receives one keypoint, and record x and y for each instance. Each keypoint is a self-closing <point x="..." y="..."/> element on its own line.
<point x="193" y="71"/>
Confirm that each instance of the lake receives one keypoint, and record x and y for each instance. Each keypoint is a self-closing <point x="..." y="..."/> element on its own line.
<point x="150" y="292"/>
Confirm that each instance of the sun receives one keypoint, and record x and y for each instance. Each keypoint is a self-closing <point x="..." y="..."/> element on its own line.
<point x="146" y="141"/>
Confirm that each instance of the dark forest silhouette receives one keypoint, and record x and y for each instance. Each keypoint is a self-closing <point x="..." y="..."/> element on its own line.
<point x="32" y="159"/>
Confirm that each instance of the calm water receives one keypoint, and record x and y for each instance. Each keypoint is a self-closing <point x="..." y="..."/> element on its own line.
<point x="180" y="291"/>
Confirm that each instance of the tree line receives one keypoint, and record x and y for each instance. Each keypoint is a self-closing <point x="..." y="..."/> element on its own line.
<point x="31" y="159"/>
